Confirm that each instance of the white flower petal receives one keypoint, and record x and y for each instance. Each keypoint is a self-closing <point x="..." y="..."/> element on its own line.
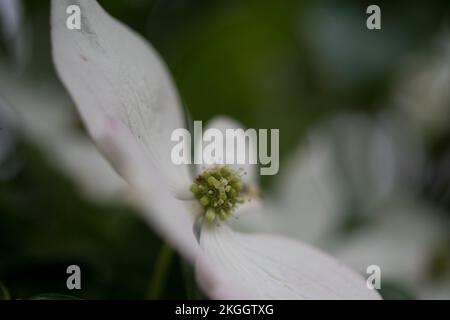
<point x="258" y="266"/>
<point x="172" y="218"/>
<point x="375" y="159"/>
<point x="401" y="244"/>
<point x="11" y="17"/>
<point x="93" y="173"/>
<point x="307" y="197"/>
<point x="64" y="146"/>
<point x="223" y="123"/>
<point x="111" y="71"/>
<point x="348" y="160"/>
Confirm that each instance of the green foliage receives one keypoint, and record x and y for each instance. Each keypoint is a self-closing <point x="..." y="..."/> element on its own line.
<point x="4" y="293"/>
<point x="46" y="226"/>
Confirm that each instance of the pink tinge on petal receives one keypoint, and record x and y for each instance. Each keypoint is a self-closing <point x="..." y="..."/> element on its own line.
<point x="109" y="70"/>
<point x="129" y="105"/>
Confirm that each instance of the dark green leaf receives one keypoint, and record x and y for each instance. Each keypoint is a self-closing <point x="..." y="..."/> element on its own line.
<point x="4" y="293"/>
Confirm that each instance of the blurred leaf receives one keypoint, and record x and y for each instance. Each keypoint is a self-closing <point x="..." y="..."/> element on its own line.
<point x="190" y="283"/>
<point x="391" y="290"/>
<point x="439" y="266"/>
<point x="160" y="272"/>
<point x="4" y="293"/>
<point x="53" y="296"/>
<point x="46" y="226"/>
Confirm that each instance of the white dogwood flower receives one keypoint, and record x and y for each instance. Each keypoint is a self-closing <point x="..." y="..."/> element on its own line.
<point x="130" y="107"/>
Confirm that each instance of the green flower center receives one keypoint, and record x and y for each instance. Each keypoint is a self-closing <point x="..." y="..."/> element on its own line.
<point x="219" y="192"/>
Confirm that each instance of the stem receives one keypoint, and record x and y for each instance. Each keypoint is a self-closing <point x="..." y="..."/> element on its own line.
<point x="160" y="272"/>
<point x="188" y="280"/>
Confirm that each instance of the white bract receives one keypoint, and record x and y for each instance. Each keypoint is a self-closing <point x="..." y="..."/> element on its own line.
<point x="13" y="33"/>
<point x="11" y="16"/>
<point x="63" y="144"/>
<point x="129" y="105"/>
<point x="370" y="166"/>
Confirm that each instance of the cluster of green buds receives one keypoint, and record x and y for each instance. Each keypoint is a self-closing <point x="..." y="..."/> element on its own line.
<point x="219" y="192"/>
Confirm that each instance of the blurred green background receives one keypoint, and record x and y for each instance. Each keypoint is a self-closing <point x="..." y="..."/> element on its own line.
<point x="291" y="65"/>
